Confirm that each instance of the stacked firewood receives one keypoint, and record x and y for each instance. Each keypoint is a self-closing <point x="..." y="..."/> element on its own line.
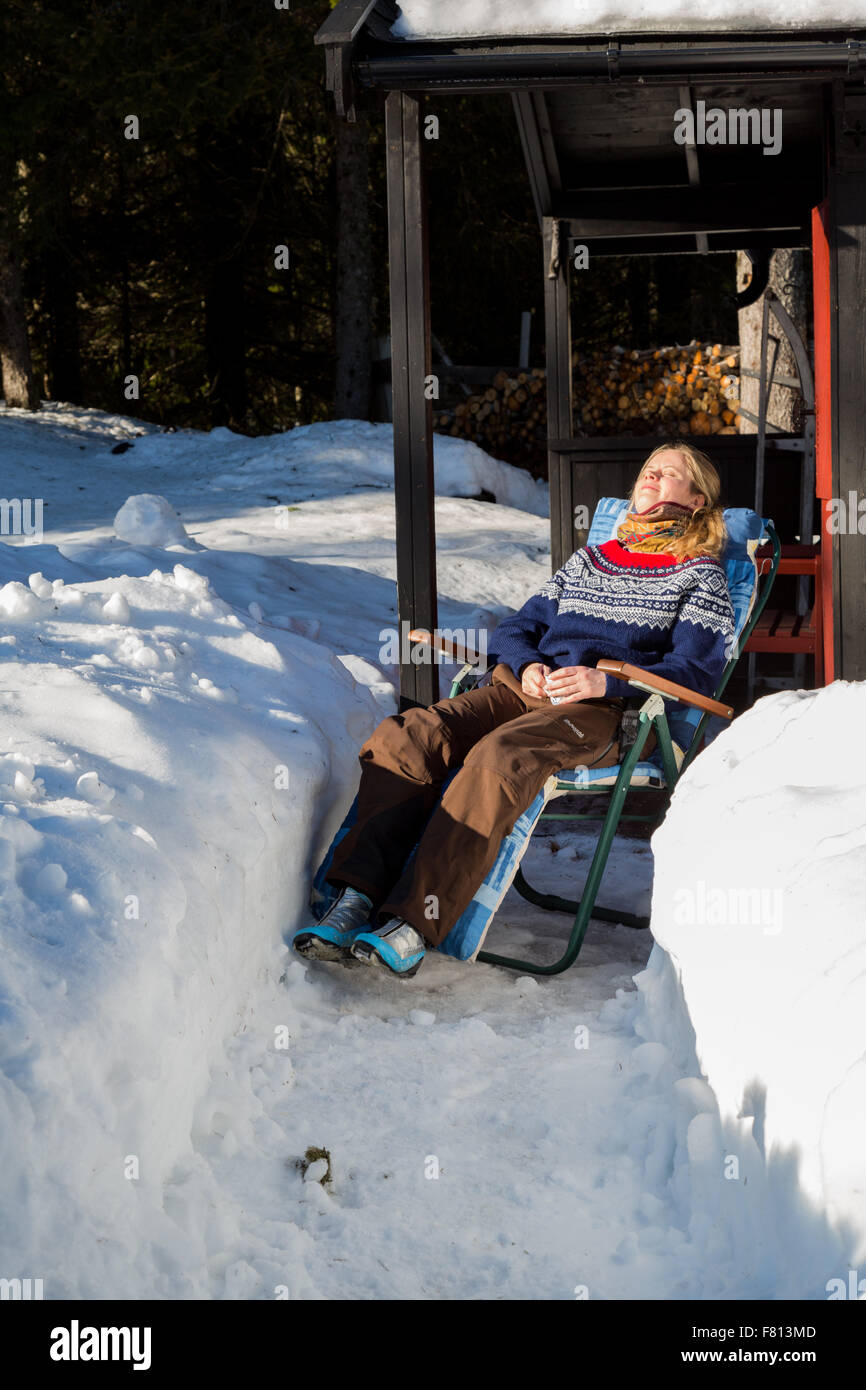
<point x="691" y="390"/>
<point x="508" y="418"/>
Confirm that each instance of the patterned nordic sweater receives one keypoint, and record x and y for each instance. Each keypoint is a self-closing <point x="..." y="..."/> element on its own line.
<point x="673" y="617"/>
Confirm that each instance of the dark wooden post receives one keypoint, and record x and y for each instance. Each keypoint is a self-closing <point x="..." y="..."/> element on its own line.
<point x="413" y="413"/>
<point x="847" y="225"/>
<point x="557" y="336"/>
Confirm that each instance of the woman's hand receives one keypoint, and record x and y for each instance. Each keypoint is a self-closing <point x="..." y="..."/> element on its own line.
<point x="576" y="683"/>
<point x="532" y="679"/>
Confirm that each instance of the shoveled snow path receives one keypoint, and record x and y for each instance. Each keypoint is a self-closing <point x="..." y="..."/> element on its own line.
<point x="540" y="1190"/>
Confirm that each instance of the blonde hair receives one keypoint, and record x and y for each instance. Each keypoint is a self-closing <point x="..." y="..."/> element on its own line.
<point x="706" y="533"/>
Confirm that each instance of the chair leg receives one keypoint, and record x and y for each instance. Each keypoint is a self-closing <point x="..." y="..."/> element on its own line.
<point x="555" y="904"/>
<point x="596" y="870"/>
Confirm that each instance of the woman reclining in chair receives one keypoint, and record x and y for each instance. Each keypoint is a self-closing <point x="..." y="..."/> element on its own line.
<point x="656" y="597"/>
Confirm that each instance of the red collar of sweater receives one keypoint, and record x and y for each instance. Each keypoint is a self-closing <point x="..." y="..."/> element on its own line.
<point x="646" y="559"/>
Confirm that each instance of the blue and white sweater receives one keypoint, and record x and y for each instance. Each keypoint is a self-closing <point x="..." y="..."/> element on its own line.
<point x="673" y="617"/>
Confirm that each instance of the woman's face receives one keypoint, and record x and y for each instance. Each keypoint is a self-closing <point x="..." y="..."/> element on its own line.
<point x="666" y="479"/>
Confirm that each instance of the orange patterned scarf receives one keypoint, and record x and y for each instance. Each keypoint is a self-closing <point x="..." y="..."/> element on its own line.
<point x="652" y="529"/>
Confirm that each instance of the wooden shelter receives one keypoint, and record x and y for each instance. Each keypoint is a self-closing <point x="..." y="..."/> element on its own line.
<point x="597" y="116"/>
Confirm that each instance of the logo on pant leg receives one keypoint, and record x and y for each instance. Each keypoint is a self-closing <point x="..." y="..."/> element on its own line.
<point x="579" y="732"/>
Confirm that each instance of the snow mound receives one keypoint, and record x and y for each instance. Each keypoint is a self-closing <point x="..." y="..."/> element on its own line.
<point x="146" y="519"/>
<point x="363" y="451"/>
<point x="18" y="603"/>
<point x="758" y="979"/>
<point x="163" y="771"/>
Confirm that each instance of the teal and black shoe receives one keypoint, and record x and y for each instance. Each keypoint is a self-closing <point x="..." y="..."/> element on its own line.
<point x="397" y="947"/>
<point x="331" y="938"/>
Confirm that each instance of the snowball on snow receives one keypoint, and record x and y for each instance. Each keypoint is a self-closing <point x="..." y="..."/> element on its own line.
<point x="40" y="585"/>
<point x="23" y="786"/>
<point x="190" y="581"/>
<point x="147" y="519"/>
<point x="316" y="1170"/>
<point x="116" y="609"/>
<point x="16" y="601"/>
<point x="13" y="763"/>
<point x="51" y="880"/>
<point x="91" y="789"/>
<point x="145" y="657"/>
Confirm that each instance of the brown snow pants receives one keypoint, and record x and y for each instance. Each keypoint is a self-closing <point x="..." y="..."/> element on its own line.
<point x="506" y="744"/>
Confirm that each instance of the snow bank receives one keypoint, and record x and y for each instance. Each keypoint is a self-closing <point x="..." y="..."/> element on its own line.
<point x="757" y="984"/>
<point x="164" y="772"/>
<point x="436" y="19"/>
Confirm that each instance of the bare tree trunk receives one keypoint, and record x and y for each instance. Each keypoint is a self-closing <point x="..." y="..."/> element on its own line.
<point x="354" y="276"/>
<point x="789" y="280"/>
<point x="19" y="388"/>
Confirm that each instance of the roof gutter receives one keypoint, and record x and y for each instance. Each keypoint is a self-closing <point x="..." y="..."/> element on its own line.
<point x="483" y="66"/>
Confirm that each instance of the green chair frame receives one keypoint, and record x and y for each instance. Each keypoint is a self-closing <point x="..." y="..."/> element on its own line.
<point x="651" y="716"/>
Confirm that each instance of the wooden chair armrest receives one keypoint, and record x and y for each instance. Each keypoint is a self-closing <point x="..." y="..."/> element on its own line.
<point x="647" y="680"/>
<point x="452" y="649"/>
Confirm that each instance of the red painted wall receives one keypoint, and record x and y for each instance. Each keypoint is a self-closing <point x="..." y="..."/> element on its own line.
<point x="821" y="299"/>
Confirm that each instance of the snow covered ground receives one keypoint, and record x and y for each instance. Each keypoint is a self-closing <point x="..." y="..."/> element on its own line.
<point x="190" y="661"/>
<point x="437" y="19"/>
